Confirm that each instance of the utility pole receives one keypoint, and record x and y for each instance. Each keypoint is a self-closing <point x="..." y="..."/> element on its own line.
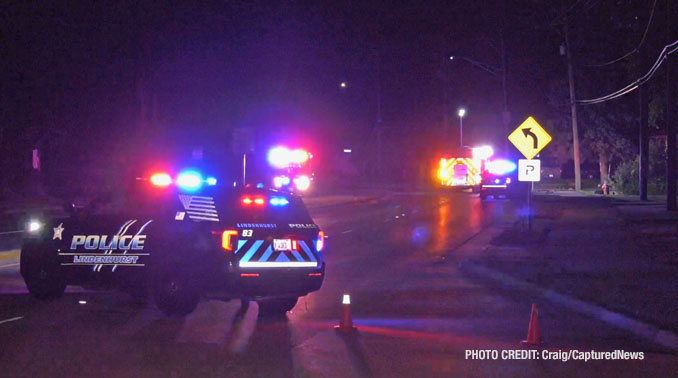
<point x="461" y="129"/>
<point x="644" y="140"/>
<point x="506" y="115"/>
<point x="573" y="107"/>
<point x="379" y="129"/>
<point x="446" y="122"/>
<point x="671" y="71"/>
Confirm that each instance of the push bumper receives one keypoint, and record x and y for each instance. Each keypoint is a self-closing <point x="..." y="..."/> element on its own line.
<point x="493" y="189"/>
<point x="278" y="282"/>
<point x="267" y="282"/>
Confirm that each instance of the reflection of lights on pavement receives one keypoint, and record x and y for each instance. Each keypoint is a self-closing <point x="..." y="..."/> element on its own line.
<point x="442" y="231"/>
<point x="420" y="235"/>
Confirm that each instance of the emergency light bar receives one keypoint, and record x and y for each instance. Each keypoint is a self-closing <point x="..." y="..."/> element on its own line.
<point x="161" y="179"/>
<point x="187" y="180"/>
<point x="260" y="201"/>
<point x="500" y="167"/>
<point x="283" y="157"/>
<point x="279" y="201"/>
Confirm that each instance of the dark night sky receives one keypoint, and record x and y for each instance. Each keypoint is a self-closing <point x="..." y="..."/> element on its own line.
<point x="77" y="72"/>
<point x="224" y="65"/>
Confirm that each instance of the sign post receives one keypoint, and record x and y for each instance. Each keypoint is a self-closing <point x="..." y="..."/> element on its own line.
<point x="529" y="138"/>
<point x="529" y="171"/>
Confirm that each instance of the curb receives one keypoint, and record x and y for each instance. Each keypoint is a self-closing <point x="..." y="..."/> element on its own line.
<point x="649" y="332"/>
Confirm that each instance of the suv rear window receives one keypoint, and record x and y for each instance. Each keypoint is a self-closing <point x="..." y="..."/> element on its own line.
<point x="232" y="207"/>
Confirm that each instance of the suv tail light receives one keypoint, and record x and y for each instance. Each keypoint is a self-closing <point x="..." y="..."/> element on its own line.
<point x="227" y="238"/>
<point x="248" y="201"/>
<point x="320" y="243"/>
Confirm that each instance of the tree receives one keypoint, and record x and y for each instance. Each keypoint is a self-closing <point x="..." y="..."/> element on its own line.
<point x="604" y="136"/>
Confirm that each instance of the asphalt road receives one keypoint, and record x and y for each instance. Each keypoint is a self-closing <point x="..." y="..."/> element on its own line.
<point x="416" y="311"/>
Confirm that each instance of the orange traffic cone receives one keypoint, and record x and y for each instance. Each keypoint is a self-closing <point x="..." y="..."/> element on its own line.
<point x="533" y="337"/>
<point x="346" y="322"/>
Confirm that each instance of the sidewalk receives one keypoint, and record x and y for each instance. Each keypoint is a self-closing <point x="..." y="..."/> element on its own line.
<point x="615" y="253"/>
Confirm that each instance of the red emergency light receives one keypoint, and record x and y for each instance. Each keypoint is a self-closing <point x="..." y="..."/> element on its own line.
<point x="161" y="179"/>
<point x="247" y="201"/>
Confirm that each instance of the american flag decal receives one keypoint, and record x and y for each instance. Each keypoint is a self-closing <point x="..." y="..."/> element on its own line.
<point x="199" y="208"/>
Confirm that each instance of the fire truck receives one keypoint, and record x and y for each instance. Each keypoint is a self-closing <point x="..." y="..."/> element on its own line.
<point x="464" y="171"/>
<point x="291" y="168"/>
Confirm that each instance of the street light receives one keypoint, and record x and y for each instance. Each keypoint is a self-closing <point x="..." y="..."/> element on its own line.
<point x="343" y="84"/>
<point x="461" y="113"/>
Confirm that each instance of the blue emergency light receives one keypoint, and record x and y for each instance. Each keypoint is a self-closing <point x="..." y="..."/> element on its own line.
<point x="190" y="180"/>
<point x="500" y="167"/>
<point x="279" y="201"/>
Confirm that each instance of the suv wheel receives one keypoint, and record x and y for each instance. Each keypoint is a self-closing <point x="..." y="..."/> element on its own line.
<point x="42" y="276"/>
<point x="174" y="293"/>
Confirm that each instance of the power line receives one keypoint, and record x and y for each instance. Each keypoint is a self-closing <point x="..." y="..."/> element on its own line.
<point x="585" y="8"/>
<point x="668" y="50"/>
<point x="560" y="17"/>
<point x="636" y="49"/>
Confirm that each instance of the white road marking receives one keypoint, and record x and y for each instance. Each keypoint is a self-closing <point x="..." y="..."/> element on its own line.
<point x="347" y="231"/>
<point x="11" y="319"/>
<point x="6" y="265"/>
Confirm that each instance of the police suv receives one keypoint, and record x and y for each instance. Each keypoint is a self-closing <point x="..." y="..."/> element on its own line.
<point x="178" y="238"/>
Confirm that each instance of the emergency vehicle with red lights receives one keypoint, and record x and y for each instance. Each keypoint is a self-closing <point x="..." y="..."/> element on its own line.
<point x="291" y="169"/>
<point x="178" y="236"/>
<point x="498" y="179"/>
<point x="464" y="172"/>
